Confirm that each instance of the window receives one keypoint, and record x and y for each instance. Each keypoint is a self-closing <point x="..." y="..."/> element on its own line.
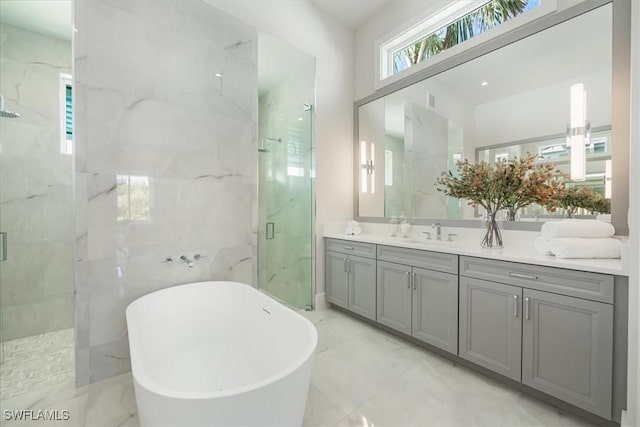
<point x="449" y="27"/>
<point x="66" y="115"/>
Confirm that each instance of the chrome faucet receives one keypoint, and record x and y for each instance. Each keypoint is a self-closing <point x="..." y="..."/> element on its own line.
<point x="187" y="260"/>
<point x="438" y="228"/>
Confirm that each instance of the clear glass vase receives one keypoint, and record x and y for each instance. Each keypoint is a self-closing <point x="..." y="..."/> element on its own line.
<point x="493" y="233"/>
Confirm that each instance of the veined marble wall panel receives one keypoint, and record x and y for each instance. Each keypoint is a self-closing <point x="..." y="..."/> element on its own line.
<point x="426" y="145"/>
<point x="36" y="193"/>
<point x="166" y="163"/>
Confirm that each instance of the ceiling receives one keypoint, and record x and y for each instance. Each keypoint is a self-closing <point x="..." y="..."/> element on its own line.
<point x="50" y="18"/>
<point x="352" y="13"/>
<point x="277" y="61"/>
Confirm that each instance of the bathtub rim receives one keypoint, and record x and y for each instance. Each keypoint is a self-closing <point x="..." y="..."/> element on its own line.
<point x="139" y="375"/>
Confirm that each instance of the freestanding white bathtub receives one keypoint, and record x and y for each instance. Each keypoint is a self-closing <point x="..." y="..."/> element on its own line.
<point x="219" y="354"/>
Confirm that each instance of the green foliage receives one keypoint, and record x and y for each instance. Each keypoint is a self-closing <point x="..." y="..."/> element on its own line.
<point x="577" y="197"/>
<point x="488" y="16"/>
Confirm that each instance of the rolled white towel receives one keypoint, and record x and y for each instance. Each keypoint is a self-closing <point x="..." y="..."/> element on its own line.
<point x="542" y="246"/>
<point x="576" y="247"/>
<point x="577" y="228"/>
<point x="353" y="231"/>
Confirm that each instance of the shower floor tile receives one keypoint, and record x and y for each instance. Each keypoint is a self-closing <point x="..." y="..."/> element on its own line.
<point x="37" y="362"/>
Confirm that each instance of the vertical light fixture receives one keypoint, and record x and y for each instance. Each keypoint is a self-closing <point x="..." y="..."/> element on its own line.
<point x="578" y="132"/>
<point x="607" y="179"/>
<point x="363" y="166"/>
<point x="371" y="172"/>
<point x="367" y="176"/>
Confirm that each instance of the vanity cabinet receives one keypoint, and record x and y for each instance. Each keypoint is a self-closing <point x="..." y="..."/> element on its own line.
<point x="550" y="328"/>
<point x="490" y="325"/>
<point x="567" y="349"/>
<point x="558" y="344"/>
<point x="417" y="301"/>
<point x="350" y="279"/>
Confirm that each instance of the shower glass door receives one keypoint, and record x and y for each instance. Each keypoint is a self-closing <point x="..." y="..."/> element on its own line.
<point x="36" y="204"/>
<point x="285" y="183"/>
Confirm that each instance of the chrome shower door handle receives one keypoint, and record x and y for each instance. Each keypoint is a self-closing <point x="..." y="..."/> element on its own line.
<point x="270" y="231"/>
<point x="3" y="234"/>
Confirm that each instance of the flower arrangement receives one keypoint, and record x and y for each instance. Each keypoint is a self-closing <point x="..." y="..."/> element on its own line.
<point x="507" y="184"/>
<point x="574" y="198"/>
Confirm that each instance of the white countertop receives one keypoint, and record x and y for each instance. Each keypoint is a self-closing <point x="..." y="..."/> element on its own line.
<point x="519" y="250"/>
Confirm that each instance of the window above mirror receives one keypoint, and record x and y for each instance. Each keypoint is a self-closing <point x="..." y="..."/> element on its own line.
<point x="449" y="27"/>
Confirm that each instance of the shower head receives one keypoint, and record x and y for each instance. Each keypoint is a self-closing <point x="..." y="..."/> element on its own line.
<point x="6" y="114"/>
<point x="9" y="114"/>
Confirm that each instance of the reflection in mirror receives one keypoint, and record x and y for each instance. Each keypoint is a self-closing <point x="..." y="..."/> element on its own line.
<point x="555" y="149"/>
<point x="134" y="204"/>
<point x="504" y="103"/>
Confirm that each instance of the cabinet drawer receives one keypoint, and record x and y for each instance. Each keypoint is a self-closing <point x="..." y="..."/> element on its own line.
<point x="581" y="284"/>
<point x="367" y="250"/>
<point x="447" y="263"/>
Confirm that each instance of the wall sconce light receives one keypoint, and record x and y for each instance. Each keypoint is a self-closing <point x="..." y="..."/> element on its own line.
<point x="607" y="179"/>
<point x="367" y="174"/>
<point x="578" y="132"/>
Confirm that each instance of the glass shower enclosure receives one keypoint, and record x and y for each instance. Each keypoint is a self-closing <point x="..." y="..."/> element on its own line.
<point x="286" y="173"/>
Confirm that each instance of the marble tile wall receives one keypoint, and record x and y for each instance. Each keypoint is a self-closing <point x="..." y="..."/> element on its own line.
<point x="394" y="194"/>
<point x="426" y="150"/>
<point x="166" y="102"/>
<point x="286" y="188"/>
<point x="36" y="186"/>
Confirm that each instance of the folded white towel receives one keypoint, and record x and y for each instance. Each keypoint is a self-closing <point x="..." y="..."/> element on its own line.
<point x="354" y="231"/>
<point x="604" y="217"/>
<point x="575" y="247"/>
<point x="542" y="246"/>
<point x="577" y="228"/>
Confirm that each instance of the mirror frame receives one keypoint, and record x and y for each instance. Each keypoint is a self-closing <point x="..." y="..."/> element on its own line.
<point x="620" y="112"/>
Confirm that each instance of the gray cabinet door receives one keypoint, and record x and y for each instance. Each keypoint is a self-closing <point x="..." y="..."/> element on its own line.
<point x="394" y="296"/>
<point x="567" y="349"/>
<point x="362" y="286"/>
<point x="490" y="325"/>
<point x="435" y="309"/>
<point x="336" y="285"/>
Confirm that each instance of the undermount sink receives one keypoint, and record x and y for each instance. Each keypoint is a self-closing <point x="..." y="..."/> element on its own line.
<point x="424" y="241"/>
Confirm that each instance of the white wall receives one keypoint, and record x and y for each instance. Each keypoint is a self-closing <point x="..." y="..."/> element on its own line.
<point x="632" y="415"/>
<point x="309" y="29"/>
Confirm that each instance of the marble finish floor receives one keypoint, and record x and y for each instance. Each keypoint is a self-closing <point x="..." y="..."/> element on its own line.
<point x="37" y="362"/>
<point x="362" y="377"/>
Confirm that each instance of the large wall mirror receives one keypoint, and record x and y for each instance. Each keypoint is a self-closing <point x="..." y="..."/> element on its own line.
<point x="510" y="101"/>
